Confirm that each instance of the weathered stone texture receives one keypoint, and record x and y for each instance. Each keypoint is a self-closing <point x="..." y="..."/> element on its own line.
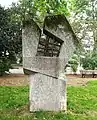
<point x="47" y="93"/>
<point x="44" y="60"/>
<point x="30" y="39"/>
<point x="45" y="65"/>
<point x="59" y="26"/>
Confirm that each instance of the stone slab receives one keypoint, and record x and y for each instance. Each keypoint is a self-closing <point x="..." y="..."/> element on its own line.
<point x="47" y="93"/>
<point x="50" y="66"/>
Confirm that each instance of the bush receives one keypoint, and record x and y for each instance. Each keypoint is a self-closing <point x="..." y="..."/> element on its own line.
<point x="73" y="63"/>
<point x="5" y="65"/>
<point x="90" y="61"/>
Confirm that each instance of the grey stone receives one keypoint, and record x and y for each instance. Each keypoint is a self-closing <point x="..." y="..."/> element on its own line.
<point x="30" y="38"/>
<point x="45" y="64"/>
<point x="59" y="27"/>
<point x="47" y="93"/>
<point x="44" y="60"/>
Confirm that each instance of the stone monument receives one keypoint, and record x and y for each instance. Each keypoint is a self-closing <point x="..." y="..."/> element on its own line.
<point x="44" y="60"/>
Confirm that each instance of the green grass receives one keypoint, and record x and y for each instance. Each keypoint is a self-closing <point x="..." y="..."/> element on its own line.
<point x="82" y="104"/>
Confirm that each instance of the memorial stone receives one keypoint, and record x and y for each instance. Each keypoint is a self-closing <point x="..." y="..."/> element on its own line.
<point x="44" y="60"/>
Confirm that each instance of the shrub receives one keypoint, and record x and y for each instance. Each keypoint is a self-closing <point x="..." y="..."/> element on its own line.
<point x="5" y="64"/>
<point x="90" y="61"/>
<point x="73" y="63"/>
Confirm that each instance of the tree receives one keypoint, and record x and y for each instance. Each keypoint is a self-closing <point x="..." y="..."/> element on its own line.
<point x="90" y="61"/>
<point x="38" y="9"/>
<point x="15" y="28"/>
<point x="85" y="12"/>
<point x="9" y="40"/>
<point x="4" y="65"/>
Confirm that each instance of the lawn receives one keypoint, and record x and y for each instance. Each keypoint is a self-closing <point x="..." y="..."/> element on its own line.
<point x="82" y="104"/>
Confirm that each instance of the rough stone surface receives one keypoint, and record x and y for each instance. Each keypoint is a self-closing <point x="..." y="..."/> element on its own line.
<point x="47" y="65"/>
<point x="30" y="38"/>
<point x="44" y="60"/>
<point x="47" y="93"/>
<point x="59" y="26"/>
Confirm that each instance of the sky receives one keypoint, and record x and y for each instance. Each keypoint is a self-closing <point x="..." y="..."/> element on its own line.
<point x="7" y="3"/>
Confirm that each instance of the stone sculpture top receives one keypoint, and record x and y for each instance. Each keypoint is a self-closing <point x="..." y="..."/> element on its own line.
<point x="48" y="55"/>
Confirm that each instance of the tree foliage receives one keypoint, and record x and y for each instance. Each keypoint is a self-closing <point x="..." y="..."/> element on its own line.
<point x="10" y="43"/>
<point x="85" y="13"/>
<point x="38" y="9"/>
<point x="90" y="61"/>
<point x="73" y="63"/>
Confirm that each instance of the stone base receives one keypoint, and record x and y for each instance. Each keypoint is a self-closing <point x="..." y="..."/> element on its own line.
<point x="47" y="93"/>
